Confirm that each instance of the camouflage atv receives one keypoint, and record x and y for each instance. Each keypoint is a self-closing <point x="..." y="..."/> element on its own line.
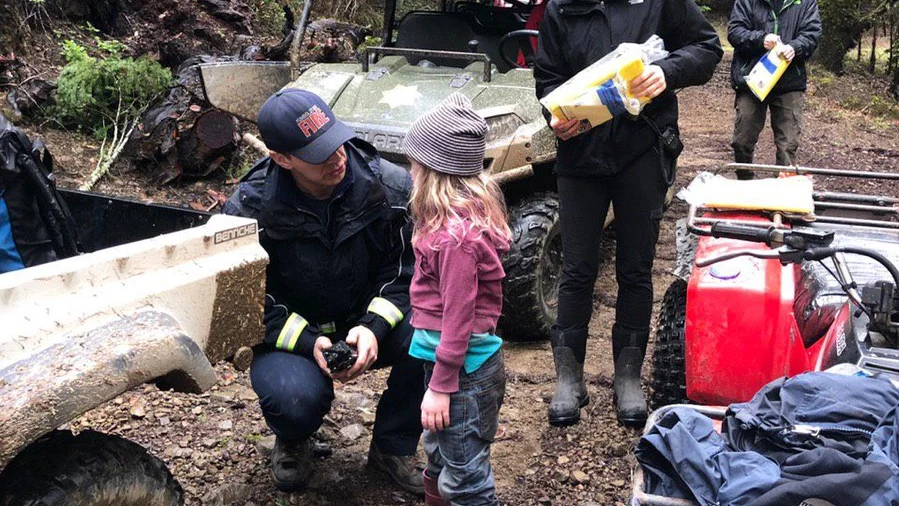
<point x="468" y="47"/>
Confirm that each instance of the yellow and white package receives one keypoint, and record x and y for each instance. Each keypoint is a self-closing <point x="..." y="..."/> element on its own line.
<point x="765" y="74"/>
<point x="600" y="92"/>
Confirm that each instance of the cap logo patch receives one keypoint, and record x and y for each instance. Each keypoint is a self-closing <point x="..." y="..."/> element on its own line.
<point x="312" y="121"/>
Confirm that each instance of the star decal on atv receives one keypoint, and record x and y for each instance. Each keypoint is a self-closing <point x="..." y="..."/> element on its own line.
<point x="400" y="95"/>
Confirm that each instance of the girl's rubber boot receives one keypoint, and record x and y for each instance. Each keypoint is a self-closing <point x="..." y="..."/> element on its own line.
<point x="432" y="495"/>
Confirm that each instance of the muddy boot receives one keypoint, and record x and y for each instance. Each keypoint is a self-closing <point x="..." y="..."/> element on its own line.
<point x="432" y="495"/>
<point x="403" y="469"/>
<point x="629" y="349"/>
<point x="745" y="174"/>
<point x="571" y="392"/>
<point x="291" y="464"/>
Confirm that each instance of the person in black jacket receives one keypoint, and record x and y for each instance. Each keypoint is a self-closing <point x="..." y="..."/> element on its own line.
<point x="333" y="219"/>
<point x="757" y="26"/>
<point x="623" y="162"/>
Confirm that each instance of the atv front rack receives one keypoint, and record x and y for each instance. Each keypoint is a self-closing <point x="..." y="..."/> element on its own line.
<point x="834" y="208"/>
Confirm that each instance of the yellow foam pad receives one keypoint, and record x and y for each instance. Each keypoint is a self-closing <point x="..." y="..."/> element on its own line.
<point x="630" y="70"/>
<point x="787" y="194"/>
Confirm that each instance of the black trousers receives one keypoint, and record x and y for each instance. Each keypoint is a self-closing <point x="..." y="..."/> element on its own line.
<point x="295" y="395"/>
<point x="637" y="195"/>
<point x="786" y="122"/>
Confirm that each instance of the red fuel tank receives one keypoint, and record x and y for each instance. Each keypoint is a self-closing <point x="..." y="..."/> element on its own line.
<point x="740" y="332"/>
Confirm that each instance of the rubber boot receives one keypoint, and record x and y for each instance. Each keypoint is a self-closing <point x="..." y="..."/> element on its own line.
<point x="628" y="350"/>
<point x="745" y="174"/>
<point x="570" y="396"/>
<point x="432" y="495"/>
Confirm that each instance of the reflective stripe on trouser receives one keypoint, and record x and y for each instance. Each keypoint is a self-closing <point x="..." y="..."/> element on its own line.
<point x="386" y="309"/>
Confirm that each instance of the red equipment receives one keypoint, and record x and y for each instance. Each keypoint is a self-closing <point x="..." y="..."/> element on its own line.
<point x="748" y="313"/>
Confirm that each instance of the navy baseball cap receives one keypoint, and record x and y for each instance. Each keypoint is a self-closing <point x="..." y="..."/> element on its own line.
<point x="300" y="123"/>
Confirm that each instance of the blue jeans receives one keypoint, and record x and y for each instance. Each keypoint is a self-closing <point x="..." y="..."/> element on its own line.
<point x="459" y="455"/>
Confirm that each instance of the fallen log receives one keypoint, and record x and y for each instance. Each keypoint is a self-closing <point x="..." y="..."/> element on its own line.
<point x="184" y="136"/>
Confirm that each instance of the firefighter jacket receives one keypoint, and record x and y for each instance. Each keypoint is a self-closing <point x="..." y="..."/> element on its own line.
<point x="330" y="269"/>
<point x="576" y="33"/>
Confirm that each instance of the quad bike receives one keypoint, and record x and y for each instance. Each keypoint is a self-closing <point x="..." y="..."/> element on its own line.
<point x="776" y="294"/>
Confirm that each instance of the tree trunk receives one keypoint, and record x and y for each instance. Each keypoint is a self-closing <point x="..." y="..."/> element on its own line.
<point x="183" y="136"/>
<point x="843" y="23"/>
<point x="892" y="58"/>
<point x="872" y="65"/>
<point x="207" y="144"/>
<point x="14" y="29"/>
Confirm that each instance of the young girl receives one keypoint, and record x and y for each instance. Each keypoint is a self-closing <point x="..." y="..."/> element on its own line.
<point x="460" y="235"/>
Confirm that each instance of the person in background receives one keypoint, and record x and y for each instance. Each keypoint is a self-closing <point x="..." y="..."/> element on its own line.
<point x="756" y="27"/>
<point x="460" y="235"/>
<point x="332" y="217"/>
<point x="627" y="162"/>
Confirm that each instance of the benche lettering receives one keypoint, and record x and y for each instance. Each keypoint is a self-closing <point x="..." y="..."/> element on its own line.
<point x="234" y="233"/>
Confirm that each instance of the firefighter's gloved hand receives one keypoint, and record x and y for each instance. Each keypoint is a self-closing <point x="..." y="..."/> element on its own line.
<point x="366" y="345"/>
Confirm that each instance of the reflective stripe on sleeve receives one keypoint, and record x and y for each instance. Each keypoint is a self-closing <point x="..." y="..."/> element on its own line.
<point x="385" y="309"/>
<point x="290" y="333"/>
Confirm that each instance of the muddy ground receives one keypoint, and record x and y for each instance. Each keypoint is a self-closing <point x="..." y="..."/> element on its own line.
<point x="216" y="443"/>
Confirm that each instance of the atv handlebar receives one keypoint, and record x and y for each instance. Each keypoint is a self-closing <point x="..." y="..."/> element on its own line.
<point x="788" y="254"/>
<point x="742" y="232"/>
<point x="798" y="238"/>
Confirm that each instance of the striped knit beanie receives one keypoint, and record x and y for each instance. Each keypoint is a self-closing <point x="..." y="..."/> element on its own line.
<point x="450" y="138"/>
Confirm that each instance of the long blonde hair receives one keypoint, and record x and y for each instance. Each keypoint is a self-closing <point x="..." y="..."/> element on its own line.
<point x="446" y="202"/>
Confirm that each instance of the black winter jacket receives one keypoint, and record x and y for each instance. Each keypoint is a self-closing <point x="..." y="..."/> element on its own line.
<point x="798" y="24"/>
<point x="318" y="273"/>
<point x="576" y="33"/>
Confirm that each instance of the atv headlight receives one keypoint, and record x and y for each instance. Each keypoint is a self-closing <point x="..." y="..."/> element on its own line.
<point x="502" y="127"/>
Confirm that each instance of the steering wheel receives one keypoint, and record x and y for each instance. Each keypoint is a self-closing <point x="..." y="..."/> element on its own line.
<point x="520" y="41"/>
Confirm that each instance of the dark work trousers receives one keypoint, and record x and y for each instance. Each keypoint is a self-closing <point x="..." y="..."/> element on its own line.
<point x="637" y="194"/>
<point x="786" y="123"/>
<point x="295" y="395"/>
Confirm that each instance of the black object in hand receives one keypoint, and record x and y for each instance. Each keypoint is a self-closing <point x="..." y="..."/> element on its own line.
<point x="340" y="356"/>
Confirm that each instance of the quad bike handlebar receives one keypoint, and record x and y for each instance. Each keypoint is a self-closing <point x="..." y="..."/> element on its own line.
<point x="879" y="299"/>
<point x="798" y="238"/>
<point x="743" y="232"/>
<point x="792" y="245"/>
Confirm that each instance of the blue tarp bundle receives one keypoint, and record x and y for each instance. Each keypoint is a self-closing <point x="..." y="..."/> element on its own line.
<point x="817" y="436"/>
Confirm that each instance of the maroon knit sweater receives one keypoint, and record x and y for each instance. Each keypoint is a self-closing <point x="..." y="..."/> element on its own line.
<point x="456" y="290"/>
